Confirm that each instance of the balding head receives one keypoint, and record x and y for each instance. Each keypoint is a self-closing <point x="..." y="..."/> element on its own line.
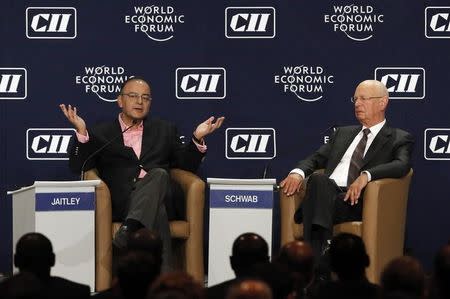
<point x="371" y="99"/>
<point x="248" y="249"/>
<point x="298" y="257"/>
<point x="249" y="289"/>
<point x="377" y="86"/>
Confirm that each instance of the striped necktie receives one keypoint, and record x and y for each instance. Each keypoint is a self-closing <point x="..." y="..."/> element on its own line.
<point x="356" y="161"/>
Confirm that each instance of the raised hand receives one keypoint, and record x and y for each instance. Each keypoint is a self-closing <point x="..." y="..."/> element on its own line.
<point x="77" y="122"/>
<point x="207" y="127"/>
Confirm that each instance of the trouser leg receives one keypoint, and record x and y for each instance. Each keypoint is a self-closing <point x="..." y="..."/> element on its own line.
<point x="147" y="207"/>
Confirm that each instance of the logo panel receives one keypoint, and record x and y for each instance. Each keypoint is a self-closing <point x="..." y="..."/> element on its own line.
<point x="437" y="22"/>
<point x="51" y="22"/>
<point x="250" y="22"/>
<point x="357" y="22"/>
<point x="157" y="22"/>
<point x="307" y="83"/>
<point x="250" y="143"/>
<point x="48" y="143"/>
<point x="103" y="81"/>
<point x="13" y="83"/>
<point x="200" y="83"/>
<point x="402" y="82"/>
<point x="437" y="144"/>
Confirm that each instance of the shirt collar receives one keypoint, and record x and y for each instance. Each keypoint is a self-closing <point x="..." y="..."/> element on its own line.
<point x="376" y="128"/>
<point x="123" y="125"/>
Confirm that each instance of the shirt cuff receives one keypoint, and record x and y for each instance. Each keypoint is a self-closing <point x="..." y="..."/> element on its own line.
<point x="369" y="177"/>
<point x="201" y="147"/>
<point x="298" y="171"/>
<point x="82" y="138"/>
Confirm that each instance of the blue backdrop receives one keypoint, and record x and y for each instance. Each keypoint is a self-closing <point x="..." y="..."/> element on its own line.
<point x="282" y="72"/>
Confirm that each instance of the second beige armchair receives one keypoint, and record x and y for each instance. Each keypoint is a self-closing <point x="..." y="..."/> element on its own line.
<point x="383" y="222"/>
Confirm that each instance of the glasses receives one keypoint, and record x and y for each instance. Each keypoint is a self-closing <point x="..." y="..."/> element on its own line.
<point x="364" y="99"/>
<point x="134" y="96"/>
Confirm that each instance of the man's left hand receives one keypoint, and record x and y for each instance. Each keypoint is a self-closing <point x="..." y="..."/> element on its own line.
<point x="207" y="127"/>
<point x="354" y="190"/>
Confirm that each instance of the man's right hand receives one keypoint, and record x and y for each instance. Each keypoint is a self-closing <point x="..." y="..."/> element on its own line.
<point x="71" y="114"/>
<point x="291" y="184"/>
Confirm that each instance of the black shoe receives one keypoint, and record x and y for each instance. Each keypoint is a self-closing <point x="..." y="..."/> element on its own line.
<point x="323" y="272"/>
<point x="121" y="237"/>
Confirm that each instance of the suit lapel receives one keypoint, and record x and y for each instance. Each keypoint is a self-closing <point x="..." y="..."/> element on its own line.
<point x="378" y="143"/>
<point x="119" y="143"/>
<point x="147" y="137"/>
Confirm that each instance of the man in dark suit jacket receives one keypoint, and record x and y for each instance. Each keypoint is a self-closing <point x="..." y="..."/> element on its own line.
<point x="249" y="249"/>
<point x="34" y="257"/>
<point x="135" y="165"/>
<point x="354" y="156"/>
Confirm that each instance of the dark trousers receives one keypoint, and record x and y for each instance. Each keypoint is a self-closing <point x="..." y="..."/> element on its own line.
<point x="147" y="207"/>
<point x="322" y="207"/>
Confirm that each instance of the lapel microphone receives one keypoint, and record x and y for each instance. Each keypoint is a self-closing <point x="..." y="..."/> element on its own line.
<point x="135" y="122"/>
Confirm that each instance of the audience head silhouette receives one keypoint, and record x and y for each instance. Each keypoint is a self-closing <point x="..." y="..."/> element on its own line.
<point x="298" y="257"/>
<point x="249" y="289"/>
<point x="248" y="249"/>
<point x="136" y="271"/>
<point x="34" y="253"/>
<point x="442" y="272"/>
<point x="403" y="276"/>
<point x="348" y="257"/>
<point x="176" y="282"/>
<point x="148" y="241"/>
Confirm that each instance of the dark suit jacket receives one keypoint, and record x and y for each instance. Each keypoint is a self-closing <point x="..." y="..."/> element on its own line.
<point x="26" y="285"/>
<point x="346" y="289"/>
<point x="119" y="166"/>
<point x="387" y="157"/>
<point x="219" y="291"/>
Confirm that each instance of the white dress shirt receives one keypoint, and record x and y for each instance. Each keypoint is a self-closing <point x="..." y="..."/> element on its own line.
<point x="340" y="173"/>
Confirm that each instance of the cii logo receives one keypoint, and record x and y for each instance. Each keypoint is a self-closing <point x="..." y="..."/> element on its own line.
<point x="250" y="143"/>
<point x="402" y="82"/>
<point x="437" y="22"/>
<point x="48" y="143"/>
<point x="13" y="83"/>
<point x="437" y="144"/>
<point x="51" y="22"/>
<point x="200" y="83"/>
<point x="250" y="22"/>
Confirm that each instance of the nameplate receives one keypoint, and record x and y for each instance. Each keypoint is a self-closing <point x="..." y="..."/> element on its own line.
<point x="242" y="199"/>
<point x="62" y="201"/>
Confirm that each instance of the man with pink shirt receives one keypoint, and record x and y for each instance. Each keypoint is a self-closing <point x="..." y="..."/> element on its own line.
<point x="135" y="165"/>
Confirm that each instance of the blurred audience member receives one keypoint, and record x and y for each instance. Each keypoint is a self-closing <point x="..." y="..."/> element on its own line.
<point x="441" y="274"/>
<point x="403" y="277"/>
<point x="298" y="257"/>
<point x="176" y="282"/>
<point x="143" y="240"/>
<point x="249" y="289"/>
<point x="248" y="249"/>
<point x="34" y="257"/>
<point x="348" y="260"/>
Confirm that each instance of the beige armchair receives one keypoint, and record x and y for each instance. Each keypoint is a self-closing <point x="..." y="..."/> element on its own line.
<point x="188" y="235"/>
<point x="383" y="222"/>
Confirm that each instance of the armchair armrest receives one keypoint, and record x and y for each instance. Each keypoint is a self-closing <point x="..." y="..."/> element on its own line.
<point x="194" y="190"/>
<point x="103" y="228"/>
<point x="384" y="218"/>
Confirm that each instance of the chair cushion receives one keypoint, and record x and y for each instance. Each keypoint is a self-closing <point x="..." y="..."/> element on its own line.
<point x="354" y="227"/>
<point x="178" y="229"/>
